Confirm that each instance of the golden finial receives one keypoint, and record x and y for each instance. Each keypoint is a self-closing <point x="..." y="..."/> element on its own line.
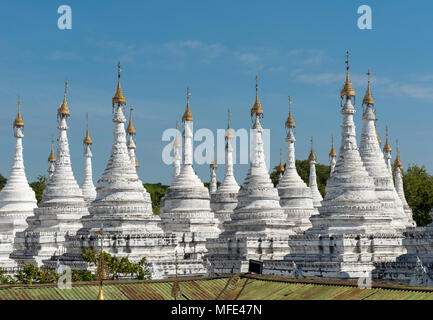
<point x="19" y="122"/>
<point x="187" y="116"/>
<point x="280" y="168"/>
<point x="387" y="147"/>
<point x="63" y="111"/>
<point x="175" y="290"/>
<point x="52" y="157"/>
<point x="347" y="90"/>
<point x="290" y="122"/>
<point x="87" y="139"/>
<point x="213" y="165"/>
<point x="368" y="98"/>
<point x="176" y="143"/>
<point x="136" y="162"/>
<point x="332" y="153"/>
<point x="397" y="162"/>
<point x="312" y="156"/>
<point x="118" y="97"/>
<point x="257" y="107"/>
<point x="101" y="271"/>
<point x="130" y="129"/>
<point x="229" y="133"/>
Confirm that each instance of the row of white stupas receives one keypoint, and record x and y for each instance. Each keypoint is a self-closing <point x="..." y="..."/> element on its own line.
<point x="361" y="225"/>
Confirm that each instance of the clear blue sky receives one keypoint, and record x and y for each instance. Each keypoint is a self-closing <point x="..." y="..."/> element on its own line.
<point x="216" y="48"/>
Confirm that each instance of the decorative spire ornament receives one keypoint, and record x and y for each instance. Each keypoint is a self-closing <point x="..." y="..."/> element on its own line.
<point x="332" y="156"/>
<point x="280" y="168"/>
<point x="387" y="150"/>
<point x="213" y="181"/>
<point x="51" y="159"/>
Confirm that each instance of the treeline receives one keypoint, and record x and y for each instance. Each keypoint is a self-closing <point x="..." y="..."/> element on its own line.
<point x="418" y="188"/>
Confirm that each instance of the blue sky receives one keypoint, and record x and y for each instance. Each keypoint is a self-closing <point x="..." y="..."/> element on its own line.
<point x="216" y="48"/>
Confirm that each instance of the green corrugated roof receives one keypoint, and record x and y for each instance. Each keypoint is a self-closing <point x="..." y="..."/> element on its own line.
<point x="245" y="287"/>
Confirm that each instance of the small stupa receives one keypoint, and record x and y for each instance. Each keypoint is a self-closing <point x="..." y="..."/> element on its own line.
<point x="213" y="180"/>
<point x="17" y="199"/>
<point x="296" y="197"/>
<point x="317" y="197"/>
<point x="88" y="188"/>
<point x="176" y="154"/>
<point x="51" y="160"/>
<point x="224" y="200"/>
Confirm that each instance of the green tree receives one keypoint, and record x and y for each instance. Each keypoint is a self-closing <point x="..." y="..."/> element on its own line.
<point x="157" y="191"/>
<point x="3" y="181"/>
<point x="418" y="190"/>
<point x="38" y="186"/>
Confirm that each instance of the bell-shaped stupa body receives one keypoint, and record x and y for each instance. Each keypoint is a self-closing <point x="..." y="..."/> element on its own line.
<point x="185" y="208"/>
<point x="258" y="228"/>
<point x="224" y="200"/>
<point x="88" y="188"/>
<point x="296" y="197"/>
<point x="351" y="204"/>
<point x="60" y="210"/>
<point x="374" y="163"/>
<point x="17" y="199"/>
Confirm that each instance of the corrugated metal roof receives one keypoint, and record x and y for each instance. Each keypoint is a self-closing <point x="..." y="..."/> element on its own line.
<point x="245" y="287"/>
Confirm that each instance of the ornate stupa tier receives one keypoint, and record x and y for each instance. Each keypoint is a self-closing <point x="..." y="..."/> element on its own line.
<point x="296" y="197"/>
<point x="224" y="201"/>
<point x="60" y="209"/>
<point x="351" y="204"/>
<point x="374" y="163"/>
<point x="17" y="199"/>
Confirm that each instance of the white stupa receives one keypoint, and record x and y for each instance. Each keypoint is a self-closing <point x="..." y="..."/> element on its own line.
<point x="296" y="197"/>
<point x="387" y="154"/>
<point x="332" y="157"/>
<point x="351" y="204"/>
<point x="317" y="197"/>
<point x="185" y="208"/>
<point x="88" y="188"/>
<point x="399" y="187"/>
<point x="60" y="209"/>
<point x="224" y="200"/>
<point x="121" y="209"/>
<point x="280" y="167"/>
<point x="374" y="163"/>
<point x="258" y="228"/>
<point x="17" y="199"/>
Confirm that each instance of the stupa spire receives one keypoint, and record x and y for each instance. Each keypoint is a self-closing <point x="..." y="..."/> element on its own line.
<point x="280" y="167"/>
<point x="399" y="186"/>
<point x="51" y="159"/>
<point x="17" y="199"/>
<point x="131" y="132"/>
<point x="118" y="97"/>
<point x="176" y="153"/>
<point x="347" y="92"/>
<point x="387" y="150"/>
<point x="257" y="109"/>
<point x="187" y="115"/>
<point x="317" y="197"/>
<point x="213" y="181"/>
<point x="332" y="156"/>
<point x="63" y="111"/>
<point x="88" y="188"/>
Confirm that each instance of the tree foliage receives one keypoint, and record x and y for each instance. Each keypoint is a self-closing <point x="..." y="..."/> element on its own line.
<point x="38" y="186"/>
<point x="3" y="181"/>
<point x="157" y="191"/>
<point x="118" y="267"/>
<point x="418" y="190"/>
